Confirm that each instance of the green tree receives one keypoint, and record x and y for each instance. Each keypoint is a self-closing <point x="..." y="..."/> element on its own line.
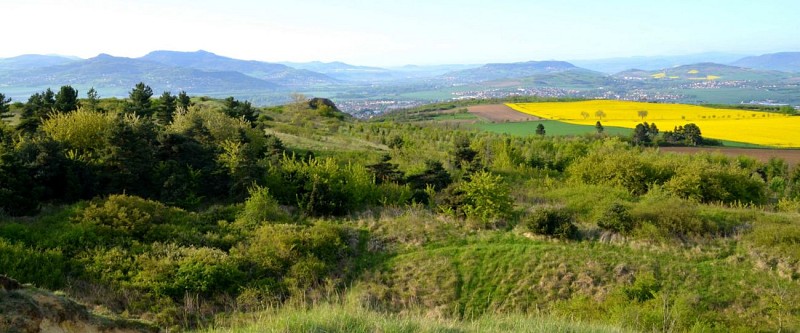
<point x="540" y="129"/>
<point x="463" y="154"/>
<point x="66" y="99"/>
<point x="5" y="109"/>
<point x="139" y="102"/>
<point x="237" y="109"/>
<point x="642" y="114"/>
<point x="184" y="102"/>
<point x="641" y="135"/>
<point x="584" y="114"/>
<point x="692" y="134"/>
<point x="386" y="172"/>
<point x="92" y="100"/>
<point x="38" y="107"/>
<point x="600" y="114"/>
<point x="599" y="127"/>
<point x="486" y="197"/>
<point x="166" y="108"/>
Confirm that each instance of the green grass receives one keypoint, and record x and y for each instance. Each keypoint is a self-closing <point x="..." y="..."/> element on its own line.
<point x="350" y="318"/>
<point x="557" y="128"/>
<point x="627" y="286"/>
<point x="551" y="127"/>
<point x="455" y="116"/>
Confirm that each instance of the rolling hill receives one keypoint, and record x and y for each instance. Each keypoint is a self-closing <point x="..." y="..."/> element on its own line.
<point x="29" y="61"/>
<point x="499" y="71"/>
<point x="345" y="72"/>
<point x="616" y="65"/>
<point x="783" y="61"/>
<point x="116" y="75"/>
<point x="703" y="71"/>
<point x="207" y="61"/>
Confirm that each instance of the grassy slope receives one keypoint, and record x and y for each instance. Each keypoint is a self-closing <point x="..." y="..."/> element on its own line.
<point x="693" y="288"/>
<point x="348" y="318"/>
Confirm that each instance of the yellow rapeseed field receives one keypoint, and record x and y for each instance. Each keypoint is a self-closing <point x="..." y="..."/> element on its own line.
<point x="764" y="128"/>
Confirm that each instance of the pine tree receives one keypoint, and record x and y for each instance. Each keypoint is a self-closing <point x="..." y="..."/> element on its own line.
<point x="139" y="100"/>
<point x="92" y="100"/>
<point x="166" y="109"/>
<point x="5" y="110"/>
<point x="66" y="99"/>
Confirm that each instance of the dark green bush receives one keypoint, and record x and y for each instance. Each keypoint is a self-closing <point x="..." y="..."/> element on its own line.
<point x="552" y="221"/>
<point x="43" y="268"/>
<point x="616" y="218"/>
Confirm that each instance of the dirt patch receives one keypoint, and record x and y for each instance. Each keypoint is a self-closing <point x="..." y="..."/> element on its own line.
<point x="500" y="113"/>
<point x="791" y="156"/>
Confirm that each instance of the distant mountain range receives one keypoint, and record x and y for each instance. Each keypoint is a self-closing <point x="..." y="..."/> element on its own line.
<point x="784" y="61"/>
<point x="203" y="72"/>
<point x="30" y="61"/>
<point x="490" y="72"/>
<point x="705" y="71"/>
<point x="207" y="61"/>
<point x="616" y="65"/>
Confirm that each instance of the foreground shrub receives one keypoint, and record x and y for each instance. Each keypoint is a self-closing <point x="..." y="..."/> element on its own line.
<point x="486" y="198"/>
<point x="617" y="219"/>
<point x="122" y="218"/>
<point x="552" y="221"/>
<point x="261" y="207"/>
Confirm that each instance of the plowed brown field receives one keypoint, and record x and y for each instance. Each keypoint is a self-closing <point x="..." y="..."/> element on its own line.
<point x="499" y="113"/>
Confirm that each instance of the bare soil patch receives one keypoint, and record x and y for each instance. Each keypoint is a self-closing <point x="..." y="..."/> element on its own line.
<point x="500" y="113"/>
<point x="791" y="156"/>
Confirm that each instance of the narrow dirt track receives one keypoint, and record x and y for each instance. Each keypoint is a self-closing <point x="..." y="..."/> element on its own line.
<point x="499" y="113"/>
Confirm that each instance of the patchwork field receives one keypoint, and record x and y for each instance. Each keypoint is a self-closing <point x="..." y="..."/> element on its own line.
<point x="763" y="128"/>
<point x="499" y="113"/>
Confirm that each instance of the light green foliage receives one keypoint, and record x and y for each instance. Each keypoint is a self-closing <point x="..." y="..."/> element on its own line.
<point x="348" y="318"/>
<point x="260" y="208"/>
<point x="221" y="127"/>
<point x="292" y="259"/>
<point x="486" y="198"/>
<point x="45" y="268"/>
<point x="323" y="186"/>
<point x="83" y="130"/>
<point x="174" y="271"/>
<point x="121" y="219"/>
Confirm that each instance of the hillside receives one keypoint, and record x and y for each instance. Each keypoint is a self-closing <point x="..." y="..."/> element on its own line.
<point x="30" y="61"/>
<point x="499" y="71"/>
<point x="207" y="61"/>
<point x="116" y="75"/>
<point x="704" y="71"/>
<point x="783" y="61"/>
<point x="616" y="65"/>
<point x="24" y="309"/>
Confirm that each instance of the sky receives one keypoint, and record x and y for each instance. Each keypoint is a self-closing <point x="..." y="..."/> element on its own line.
<point x="399" y="32"/>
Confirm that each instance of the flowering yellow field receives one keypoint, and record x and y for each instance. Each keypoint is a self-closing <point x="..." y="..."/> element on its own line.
<point x="762" y="128"/>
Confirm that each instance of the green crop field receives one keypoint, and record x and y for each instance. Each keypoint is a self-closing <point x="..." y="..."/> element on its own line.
<point x="551" y="127"/>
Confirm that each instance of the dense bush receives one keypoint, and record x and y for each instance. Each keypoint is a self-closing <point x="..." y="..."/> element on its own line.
<point x="290" y="258"/>
<point x="484" y="197"/>
<point x="552" y="221"/>
<point x="616" y="218"/>
<point x="121" y="219"/>
<point x="261" y="208"/>
<point x="43" y="268"/>
<point x="322" y="187"/>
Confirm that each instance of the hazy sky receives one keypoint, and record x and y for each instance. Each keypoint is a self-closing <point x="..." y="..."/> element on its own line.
<point x="383" y="32"/>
